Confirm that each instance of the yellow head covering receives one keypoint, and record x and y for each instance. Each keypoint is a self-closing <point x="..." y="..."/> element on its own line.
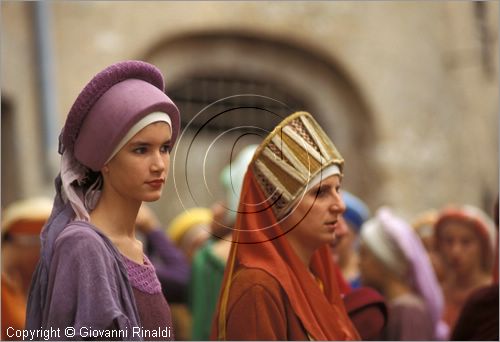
<point x="185" y="221"/>
<point x="423" y="224"/>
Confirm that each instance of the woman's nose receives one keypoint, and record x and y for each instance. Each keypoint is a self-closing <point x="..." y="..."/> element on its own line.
<point x="456" y="249"/>
<point x="338" y="204"/>
<point x="158" y="163"/>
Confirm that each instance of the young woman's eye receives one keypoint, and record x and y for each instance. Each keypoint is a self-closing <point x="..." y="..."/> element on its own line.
<point x="466" y="242"/>
<point x="140" y="150"/>
<point x="322" y="192"/>
<point x="448" y="241"/>
<point x="165" y="148"/>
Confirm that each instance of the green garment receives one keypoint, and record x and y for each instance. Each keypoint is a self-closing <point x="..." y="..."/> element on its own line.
<point x="207" y="271"/>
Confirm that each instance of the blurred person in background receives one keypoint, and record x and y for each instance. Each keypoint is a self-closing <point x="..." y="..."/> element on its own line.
<point x="210" y="260"/>
<point x="22" y="222"/>
<point x="465" y="237"/>
<point x="345" y="247"/>
<point x="478" y="320"/>
<point x="341" y="231"/>
<point x="424" y="227"/>
<point x="394" y="261"/>
<point x="366" y="306"/>
<point x="115" y="147"/>
<point x="279" y="282"/>
<point x="190" y="229"/>
<point x="367" y="310"/>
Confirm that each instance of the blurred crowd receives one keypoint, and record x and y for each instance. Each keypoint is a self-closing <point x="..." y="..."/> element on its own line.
<point x="431" y="278"/>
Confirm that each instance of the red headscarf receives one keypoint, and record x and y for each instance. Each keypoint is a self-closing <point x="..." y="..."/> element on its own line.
<point x="259" y="242"/>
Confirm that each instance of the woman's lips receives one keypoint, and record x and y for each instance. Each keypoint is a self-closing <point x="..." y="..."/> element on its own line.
<point x="157" y="183"/>
<point x="331" y="225"/>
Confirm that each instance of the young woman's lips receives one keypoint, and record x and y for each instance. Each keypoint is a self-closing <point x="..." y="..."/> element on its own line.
<point x="156" y="184"/>
<point x="331" y="225"/>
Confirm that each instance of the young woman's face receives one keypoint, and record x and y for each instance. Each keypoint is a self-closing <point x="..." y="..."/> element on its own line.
<point x="460" y="247"/>
<point x="314" y="220"/>
<point x="344" y="244"/>
<point x="139" y="170"/>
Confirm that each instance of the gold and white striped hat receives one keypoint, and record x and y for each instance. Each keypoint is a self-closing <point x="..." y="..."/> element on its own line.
<point x="292" y="158"/>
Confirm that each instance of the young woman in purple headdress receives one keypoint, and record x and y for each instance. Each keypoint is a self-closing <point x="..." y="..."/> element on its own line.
<point x="94" y="280"/>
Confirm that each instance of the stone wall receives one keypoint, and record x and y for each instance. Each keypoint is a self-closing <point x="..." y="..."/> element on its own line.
<point x="407" y="90"/>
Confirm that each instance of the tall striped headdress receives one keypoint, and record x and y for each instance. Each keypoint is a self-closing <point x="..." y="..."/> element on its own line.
<point x="295" y="153"/>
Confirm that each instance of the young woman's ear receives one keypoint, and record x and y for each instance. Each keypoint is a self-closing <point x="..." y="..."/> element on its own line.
<point x="105" y="169"/>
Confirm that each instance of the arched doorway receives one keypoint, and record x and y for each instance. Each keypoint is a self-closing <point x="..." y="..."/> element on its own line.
<point x="205" y="67"/>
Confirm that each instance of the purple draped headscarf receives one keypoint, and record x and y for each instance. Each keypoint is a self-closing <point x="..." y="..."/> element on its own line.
<point x="388" y="236"/>
<point x="103" y="113"/>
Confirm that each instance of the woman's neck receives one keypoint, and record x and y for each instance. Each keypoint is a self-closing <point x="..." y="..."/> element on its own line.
<point x="395" y="288"/>
<point x="349" y="266"/>
<point x="303" y="252"/>
<point x="115" y="216"/>
<point x="468" y="280"/>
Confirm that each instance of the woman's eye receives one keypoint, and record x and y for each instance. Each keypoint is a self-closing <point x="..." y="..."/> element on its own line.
<point x="140" y="150"/>
<point x="165" y="149"/>
<point x="322" y="192"/>
<point x="466" y="242"/>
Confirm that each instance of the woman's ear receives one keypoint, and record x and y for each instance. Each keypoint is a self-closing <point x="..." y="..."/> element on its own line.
<point x="105" y="169"/>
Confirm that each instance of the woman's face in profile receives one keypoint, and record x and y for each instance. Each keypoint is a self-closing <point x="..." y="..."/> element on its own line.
<point x="315" y="219"/>
<point x="139" y="170"/>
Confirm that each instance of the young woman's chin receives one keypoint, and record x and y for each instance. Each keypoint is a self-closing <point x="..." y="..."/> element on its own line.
<point x="328" y="238"/>
<point x="324" y="239"/>
<point x="152" y="197"/>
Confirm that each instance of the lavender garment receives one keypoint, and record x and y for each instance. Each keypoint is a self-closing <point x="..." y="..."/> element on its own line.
<point x="87" y="285"/>
<point x="421" y="274"/>
<point x="409" y="320"/>
<point x="153" y="308"/>
<point x="142" y="276"/>
<point x="171" y="266"/>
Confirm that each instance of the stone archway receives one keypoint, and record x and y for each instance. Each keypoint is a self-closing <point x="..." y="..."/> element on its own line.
<point x="281" y="70"/>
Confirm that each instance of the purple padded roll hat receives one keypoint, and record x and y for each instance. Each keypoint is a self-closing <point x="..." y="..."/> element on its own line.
<point x="116" y="104"/>
<point x="109" y="105"/>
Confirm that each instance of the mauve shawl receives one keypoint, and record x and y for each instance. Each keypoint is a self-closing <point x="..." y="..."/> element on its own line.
<point x="88" y="282"/>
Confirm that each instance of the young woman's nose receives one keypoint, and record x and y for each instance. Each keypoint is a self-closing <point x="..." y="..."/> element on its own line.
<point x="159" y="162"/>
<point x="337" y="204"/>
<point x="456" y="249"/>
